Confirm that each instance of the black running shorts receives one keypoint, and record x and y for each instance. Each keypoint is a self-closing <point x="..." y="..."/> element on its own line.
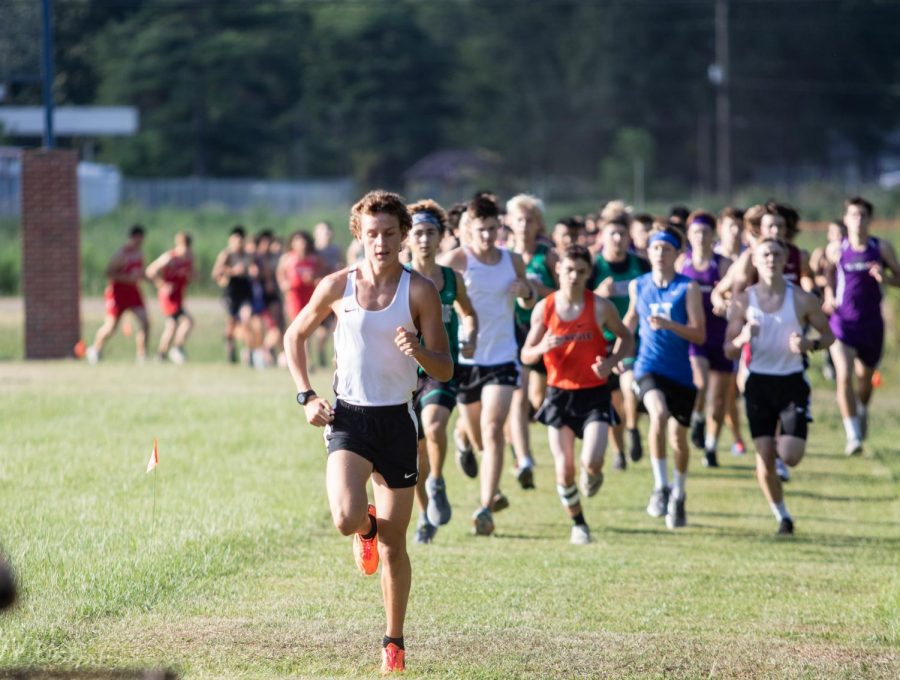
<point x="472" y="378"/>
<point x="431" y="391"/>
<point x="774" y="400"/>
<point x="679" y="398"/>
<point x="576" y="408"/>
<point x="383" y="435"/>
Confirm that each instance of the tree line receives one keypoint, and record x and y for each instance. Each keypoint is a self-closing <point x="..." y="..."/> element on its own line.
<point x="569" y="88"/>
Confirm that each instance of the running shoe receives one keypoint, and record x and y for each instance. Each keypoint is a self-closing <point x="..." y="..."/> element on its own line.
<point x="659" y="502"/>
<point x="635" y="449"/>
<point x="710" y="459"/>
<point x="619" y="462"/>
<point x="853" y="448"/>
<point x="676" y="517"/>
<point x="698" y="432"/>
<point x="176" y="356"/>
<point x="365" y="550"/>
<point x="590" y="484"/>
<point x="483" y="522"/>
<point x="499" y="502"/>
<point x="93" y="356"/>
<point x="738" y="449"/>
<point x="439" y="510"/>
<point x="425" y="531"/>
<point x="525" y="475"/>
<point x="786" y="527"/>
<point x="784" y="474"/>
<point x="581" y="535"/>
<point x="392" y="659"/>
<point x="465" y="457"/>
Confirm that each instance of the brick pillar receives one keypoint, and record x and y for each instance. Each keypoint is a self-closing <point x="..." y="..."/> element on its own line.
<point x="51" y="252"/>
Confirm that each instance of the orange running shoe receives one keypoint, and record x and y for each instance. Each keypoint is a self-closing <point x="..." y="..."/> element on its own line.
<point x="365" y="550"/>
<point x="392" y="659"/>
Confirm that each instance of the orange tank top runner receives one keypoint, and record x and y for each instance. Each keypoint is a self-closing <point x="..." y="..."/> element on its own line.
<point x="568" y="364"/>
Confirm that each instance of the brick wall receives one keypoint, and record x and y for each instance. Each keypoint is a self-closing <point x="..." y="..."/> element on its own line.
<point x="51" y="274"/>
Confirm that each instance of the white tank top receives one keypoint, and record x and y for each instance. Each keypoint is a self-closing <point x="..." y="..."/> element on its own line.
<point x="770" y="352"/>
<point x="371" y="370"/>
<point x="487" y="286"/>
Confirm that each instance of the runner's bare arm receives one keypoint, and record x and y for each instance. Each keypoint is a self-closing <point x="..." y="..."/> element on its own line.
<point x="807" y="282"/>
<point x="219" y="272"/>
<point x="154" y="269"/>
<point x="538" y="341"/>
<point x="522" y="288"/>
<point x="434" y="356"/>
<point x="695" y="329"/>
<point x="455" y="259"/>
<point x="468" y="317"/>
<point x="889" y="257"/>
<point x="832" y="257"/>
<point x="307" y="321"/>
<point x="738" y="332"/>
<point x="631" y="318"/>
<point x="810" y="313"/>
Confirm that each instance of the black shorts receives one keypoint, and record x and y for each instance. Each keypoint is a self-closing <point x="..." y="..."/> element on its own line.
<point x="774" y="400"/>
<point x="472" y="378"/>
<point x="521" y="336"/>
<point x="679" y="398"/>
<point x="431" y="391"/>
<point x="576" y="408"/>
<point x="383" y="435"/>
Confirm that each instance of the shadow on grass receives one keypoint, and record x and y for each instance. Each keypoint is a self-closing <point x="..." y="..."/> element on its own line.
<point x="843" y="499"/>
<point x="87" y="674"/>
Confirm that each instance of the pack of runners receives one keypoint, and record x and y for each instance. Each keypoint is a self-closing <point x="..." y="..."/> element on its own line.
<point x="580" y="327"/>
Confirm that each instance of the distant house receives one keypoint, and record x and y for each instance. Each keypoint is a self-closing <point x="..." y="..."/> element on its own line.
<point x="453" y="175"/>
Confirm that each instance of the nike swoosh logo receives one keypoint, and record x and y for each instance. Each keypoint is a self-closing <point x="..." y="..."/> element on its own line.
<point x="411" y="474"/>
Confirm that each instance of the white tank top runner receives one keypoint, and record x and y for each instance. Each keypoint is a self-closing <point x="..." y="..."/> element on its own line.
<point x="487" y="286"/>
<point x="371" y="370"/>
<point x="770" y="352"/>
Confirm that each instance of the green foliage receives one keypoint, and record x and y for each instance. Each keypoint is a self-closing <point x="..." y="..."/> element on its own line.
<point x="630" y="146"/>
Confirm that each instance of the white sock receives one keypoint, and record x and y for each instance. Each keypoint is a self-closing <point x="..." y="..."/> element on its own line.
<point x="851" y="427"/>
<point x="697" y="417"/>
<point x="678" y="489"/>
<point x="660" y="472"/>
<point x="711" y="443"/>
<point x="780" y="511"/>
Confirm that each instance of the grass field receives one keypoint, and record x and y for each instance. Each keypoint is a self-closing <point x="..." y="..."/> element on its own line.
<point x="223" y="562"/>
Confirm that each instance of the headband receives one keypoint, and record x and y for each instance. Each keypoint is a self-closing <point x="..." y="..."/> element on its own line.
<point x="705" y="220"/>
<point x="426" y="216"/>
<point x="665" y="237"/>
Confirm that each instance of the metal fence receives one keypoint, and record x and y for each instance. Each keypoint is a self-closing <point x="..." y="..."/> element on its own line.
<point x="279" y="197"/>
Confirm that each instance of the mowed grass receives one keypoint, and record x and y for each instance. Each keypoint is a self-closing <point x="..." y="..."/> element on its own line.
<point x="224" y="563"/>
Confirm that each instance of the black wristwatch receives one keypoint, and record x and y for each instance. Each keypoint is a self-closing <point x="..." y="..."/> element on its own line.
<point x="303" y="397"/>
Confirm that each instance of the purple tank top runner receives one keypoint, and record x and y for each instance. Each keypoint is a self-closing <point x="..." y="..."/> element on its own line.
<point x="858" y="293"/>
<point x="707" y="280"/>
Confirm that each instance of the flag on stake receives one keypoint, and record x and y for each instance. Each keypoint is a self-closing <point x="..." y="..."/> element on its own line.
<point x="154" y="458"/>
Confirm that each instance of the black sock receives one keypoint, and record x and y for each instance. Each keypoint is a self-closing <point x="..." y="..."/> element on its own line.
<point x="579" y="519"/>
<point x="385" y="641"/>
<point x="372" y="531"/>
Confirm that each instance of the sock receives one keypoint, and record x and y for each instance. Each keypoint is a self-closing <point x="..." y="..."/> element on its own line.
<point x="697" y="417"/>
<point x="660" y="473"/>
<point x="578" y="519"/>
<point x="851" y="427"/>
<point x="678" y="489"/>
<point x="711" y="443"/>
<point x="385" y="641"/>
<point x="780" y="511"/>
<point x="372" y="531"/>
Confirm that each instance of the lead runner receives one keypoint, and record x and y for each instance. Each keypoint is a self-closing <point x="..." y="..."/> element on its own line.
<point x="371" y="429"/>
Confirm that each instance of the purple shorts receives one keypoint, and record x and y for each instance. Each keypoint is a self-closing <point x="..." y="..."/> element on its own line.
<point x="867" y="338"/>
<point x="715" y="354"/>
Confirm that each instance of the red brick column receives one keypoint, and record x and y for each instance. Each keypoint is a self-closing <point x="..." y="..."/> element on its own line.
<point x="51" y="252"/>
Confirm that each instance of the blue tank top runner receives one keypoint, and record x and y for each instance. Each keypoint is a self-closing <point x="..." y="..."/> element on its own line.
<point x="663" y="352"/>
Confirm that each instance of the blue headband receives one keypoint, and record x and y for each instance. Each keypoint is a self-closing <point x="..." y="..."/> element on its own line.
<point x="704" y="219"/>
<point x="426" y="216"/>
<point x="665" y="237"/>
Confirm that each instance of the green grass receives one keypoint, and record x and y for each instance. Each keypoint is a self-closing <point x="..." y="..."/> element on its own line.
<point x="238" y="571"/>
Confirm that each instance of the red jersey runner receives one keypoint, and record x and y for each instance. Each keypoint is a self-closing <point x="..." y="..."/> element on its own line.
<point x="121" y="296"/>
<point x="568" y="364"/>
<point x="177" y="275"/>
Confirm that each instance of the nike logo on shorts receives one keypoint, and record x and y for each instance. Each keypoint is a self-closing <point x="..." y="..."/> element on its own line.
<point x="411" y="474"/>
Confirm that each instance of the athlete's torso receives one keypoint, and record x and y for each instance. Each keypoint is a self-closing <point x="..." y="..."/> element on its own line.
<point x="770" y="348"/>
<point x="488" y="287"/>
<point x="569" y="364"/>
<point x="858" y="293"/>
<point x="662" y="351"/>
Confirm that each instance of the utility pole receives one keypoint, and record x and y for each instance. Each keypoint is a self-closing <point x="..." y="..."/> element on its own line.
<point x="722" y="79"/>
<point x="48" y="75"/>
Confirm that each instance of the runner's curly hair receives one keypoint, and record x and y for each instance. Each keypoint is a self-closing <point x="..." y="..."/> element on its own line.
<point x="376" y="202"/>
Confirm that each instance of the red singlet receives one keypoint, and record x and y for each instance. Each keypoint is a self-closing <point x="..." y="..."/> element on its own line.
<point x="301" y="274"/>
<point x="121" y="296"/>
<point x="569" y="364"/>
<point x="177" y="275"/>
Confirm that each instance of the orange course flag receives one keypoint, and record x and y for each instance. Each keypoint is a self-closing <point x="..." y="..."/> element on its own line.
<point x="154" y="458"/>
